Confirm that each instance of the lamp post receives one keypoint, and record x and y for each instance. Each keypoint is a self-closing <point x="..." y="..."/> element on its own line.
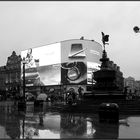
<point x="92" y="79"/>
<point x="24" y="62"/>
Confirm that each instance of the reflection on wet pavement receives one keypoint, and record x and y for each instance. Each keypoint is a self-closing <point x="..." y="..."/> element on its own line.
<point x="66" y="125"/>
<point x="132" y="130"/>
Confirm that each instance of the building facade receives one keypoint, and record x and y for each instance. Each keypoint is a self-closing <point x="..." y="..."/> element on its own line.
<point x="10" y="74"/>
<point x="119" y="81"/>
<point x="130" y="84"/>
<point x="137" y="86"/>
<point x="2" y="79"/>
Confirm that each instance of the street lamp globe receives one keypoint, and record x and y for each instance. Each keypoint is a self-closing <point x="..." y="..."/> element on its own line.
<point x="136" y="29"/>
<point x="23" y="60"/>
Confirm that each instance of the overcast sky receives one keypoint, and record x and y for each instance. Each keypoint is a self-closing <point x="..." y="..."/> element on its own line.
<point x="25" y="25"/>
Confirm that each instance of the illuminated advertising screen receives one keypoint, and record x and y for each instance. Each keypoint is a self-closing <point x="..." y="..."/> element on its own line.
<point x="74" y="73"/>
<point x="91" y="67"/>
<point x="79" y="58"/>
<point x="41" y="65"/>
<point x="67" y="62"/>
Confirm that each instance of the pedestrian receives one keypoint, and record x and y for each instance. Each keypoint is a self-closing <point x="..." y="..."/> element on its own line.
<point x="41" y="119"/>
<point x="80" y="92"/>
<point x="74" y="96"/>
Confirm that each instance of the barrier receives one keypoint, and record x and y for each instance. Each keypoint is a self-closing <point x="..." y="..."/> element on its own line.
<point x="109" y="112"/>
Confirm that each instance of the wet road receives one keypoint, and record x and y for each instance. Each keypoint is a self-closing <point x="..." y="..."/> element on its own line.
<point x="47" y="124"/>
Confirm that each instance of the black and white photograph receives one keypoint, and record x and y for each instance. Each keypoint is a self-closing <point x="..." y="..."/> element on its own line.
<point x="69" y="69"/>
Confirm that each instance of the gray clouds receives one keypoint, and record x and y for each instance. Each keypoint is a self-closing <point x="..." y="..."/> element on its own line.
<point x="31" y="24"/>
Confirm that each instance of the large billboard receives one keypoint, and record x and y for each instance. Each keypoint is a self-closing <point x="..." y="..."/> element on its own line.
<point x="79" y="59"/>
<point x="40" y="67"/>
<point x="91" y="67"/>
<point x="74" y="73"/>
<point x="67" y="62"/>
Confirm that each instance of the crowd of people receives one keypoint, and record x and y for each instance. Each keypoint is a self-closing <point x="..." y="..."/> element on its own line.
<point x="72" y="97"/>
<point x="69" y="96"/>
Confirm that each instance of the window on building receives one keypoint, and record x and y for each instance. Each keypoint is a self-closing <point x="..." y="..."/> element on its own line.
<point x="77" y="50"/>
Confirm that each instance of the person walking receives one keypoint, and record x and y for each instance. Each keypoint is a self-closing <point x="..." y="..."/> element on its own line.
<point x="80" y="92"/>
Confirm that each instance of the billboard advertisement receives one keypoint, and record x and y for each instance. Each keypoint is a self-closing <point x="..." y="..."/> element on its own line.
<point x="92" y="67"/>
<point x="79" y="58"/>
<point x="40" y="67"/>
<point x="74" y="73"/>
<point x="66" y="62"/>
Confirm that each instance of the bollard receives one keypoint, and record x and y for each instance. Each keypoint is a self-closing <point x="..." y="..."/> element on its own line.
<point x="109" y="112"/>
<point x="21" y="106"/>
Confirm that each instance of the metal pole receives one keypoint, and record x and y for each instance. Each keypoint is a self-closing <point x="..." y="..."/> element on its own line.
<point x="23" y="125"/>
<point x="92" y="80"/>
<point x="24" y="81"/>
<point x="24" y="98"/>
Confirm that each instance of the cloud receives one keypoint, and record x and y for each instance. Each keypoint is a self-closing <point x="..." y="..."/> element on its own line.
<point x="31" y="24"/>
